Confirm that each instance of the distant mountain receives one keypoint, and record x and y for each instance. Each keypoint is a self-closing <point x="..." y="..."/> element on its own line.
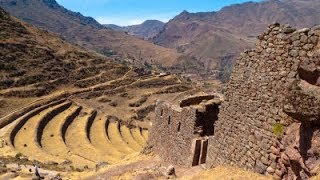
<point x="115" y="27"/>
<point x="146" y="30"/>
<point x="205" y="43"/>
<point x="87" y="32"/>
<point x="214" y="39"/>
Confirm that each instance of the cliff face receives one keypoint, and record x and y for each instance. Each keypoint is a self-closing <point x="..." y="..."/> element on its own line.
<point x="269" y="122"/>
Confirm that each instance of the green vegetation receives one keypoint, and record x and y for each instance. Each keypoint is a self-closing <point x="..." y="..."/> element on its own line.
<point x="18" y="155"/>
<point x="278" y="129"/>
<point x="7" y="67"/>
<point x="139" y="102"/>
<point x="108" y="53"/>
<point x="207" y="85"/>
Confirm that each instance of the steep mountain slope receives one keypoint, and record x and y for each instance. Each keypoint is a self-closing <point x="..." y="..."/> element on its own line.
<point x="68" y="109"/>
<point x="146" y="30"/>
<point x="215" y="38"/>
<point x="35" y="62"/>
<point x="86" y="32"/>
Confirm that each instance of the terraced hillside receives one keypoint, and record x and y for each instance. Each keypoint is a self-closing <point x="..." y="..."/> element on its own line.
<point x="36" y="63"/>
<point x="84" y="127"/>
<point x="63" y="132"/>
<point x="68" y="109"/>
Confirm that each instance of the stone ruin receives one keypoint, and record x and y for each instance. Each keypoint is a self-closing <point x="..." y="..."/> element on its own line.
<point x="269" y="121"/>
<point x="181" y="132"/>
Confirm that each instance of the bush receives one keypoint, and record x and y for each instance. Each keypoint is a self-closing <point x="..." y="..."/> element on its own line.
<point x="108" y="53"/>
<point x="104" y="100"/>
<point x="6" y="83"/>
<point x="9" y="67"/>
<point x="143" y="112"/>
<point x="114" y="104"/>
<point x="2" y="103"/>
<point x="31" y="80"/>
<point x="277" y="129"/>
<point x="18" y="156"/>
<point x="139" y="102"/>
<point x="17" y="73"/>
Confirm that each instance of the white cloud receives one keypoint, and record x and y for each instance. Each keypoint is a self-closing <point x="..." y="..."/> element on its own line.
<point x="119" y="21"/>
<point x="126" y="20"/>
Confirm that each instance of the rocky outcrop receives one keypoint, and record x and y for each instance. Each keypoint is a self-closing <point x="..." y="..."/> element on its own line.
<point x="269" y="120"/>
<point x="303" y="100"/>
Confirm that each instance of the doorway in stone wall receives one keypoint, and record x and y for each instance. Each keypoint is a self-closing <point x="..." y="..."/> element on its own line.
<point x="200" y="151"/>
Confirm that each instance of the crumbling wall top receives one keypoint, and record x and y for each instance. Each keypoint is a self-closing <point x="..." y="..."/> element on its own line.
<point x="201" y="100"/>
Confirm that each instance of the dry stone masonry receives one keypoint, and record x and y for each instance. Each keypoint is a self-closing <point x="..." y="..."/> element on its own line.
<point x="180" y="133"/>
<point x="270" y="120"/>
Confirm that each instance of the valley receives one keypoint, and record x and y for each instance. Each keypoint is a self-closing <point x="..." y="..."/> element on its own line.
<point x="225" y="94"/>
<point x="70" y="105"/>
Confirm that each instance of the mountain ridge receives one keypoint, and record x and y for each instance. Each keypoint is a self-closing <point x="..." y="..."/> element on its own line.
<point x="215" y="39"/>
<point x="87" y="32"/>
<point x="146" y="30"/>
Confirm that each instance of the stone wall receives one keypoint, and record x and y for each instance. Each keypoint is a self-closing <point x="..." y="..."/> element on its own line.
<point x="177" y="130"/>
<point x="172" y="133"/>
<point x="253" y="130"/>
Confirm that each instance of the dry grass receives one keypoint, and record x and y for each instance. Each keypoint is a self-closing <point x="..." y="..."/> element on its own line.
<point x="127" y="137"/>
<point x="145" y="134"/>
<point x="25" y="139"/>
<point x="136" y="133"/>
<point x="76" y="140"/>
<point x="317" y="177"/>
<point x="227" y="173"/>
<point x="100" y="140"/>
<point x="52" y="141"/>
<point x="116" y="139"/>
<point x="11" y="104"/>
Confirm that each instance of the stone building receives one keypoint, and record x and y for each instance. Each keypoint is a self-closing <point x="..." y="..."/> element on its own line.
<point x="270" y="119"/>
<point x="180" y="132"/>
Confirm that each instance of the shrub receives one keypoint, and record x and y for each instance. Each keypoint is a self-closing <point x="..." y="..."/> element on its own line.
<point x="143" y="112"/>
<point x="18" y="155"/>
<point x="114" y="104"/>
<point x="108" y="53"/>
<point x="104" y="100"/>
<point x="10" y="67"/>
<point x="17" y="73"/>
<point x="26" y="80"/>
<point x="2" y="103"/>
<point x="6" y="83"/>
<point x="277" y="129"/>
<point x="139" y="102"/>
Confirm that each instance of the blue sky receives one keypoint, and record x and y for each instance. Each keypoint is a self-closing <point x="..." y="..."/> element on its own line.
<point x="129" y="12"/>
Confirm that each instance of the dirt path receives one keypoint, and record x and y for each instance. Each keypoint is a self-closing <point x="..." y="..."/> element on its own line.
<point x="119" y="170"/>
<point x="145" y="169"/>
